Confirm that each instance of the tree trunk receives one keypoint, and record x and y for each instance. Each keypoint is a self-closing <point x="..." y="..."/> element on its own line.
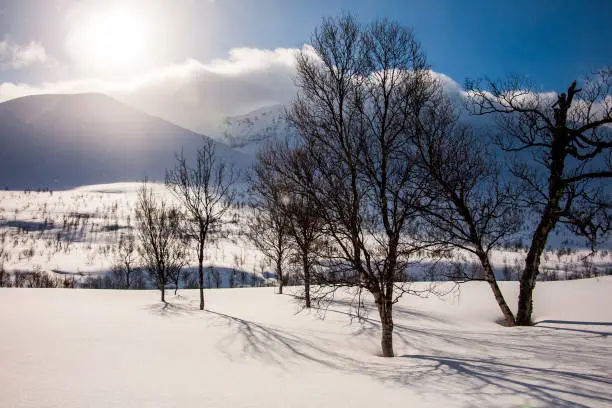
<point x="490" y="276"/>
<point x="547" y="224"/>
<point x="279" y="275"/>
<point x="201" y="275"/>
<point x="306" y="266"/>
<point x="483" y="257"/>
<point x="128" y="272"/>
<point x="532" y="267"/>
<point x="163" y="294"/>
<point x="385" y="310"/>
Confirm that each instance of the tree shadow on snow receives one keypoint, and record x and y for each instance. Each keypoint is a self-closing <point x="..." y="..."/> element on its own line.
<point x="274" y="345"/>
<point x="546" y="323"/>
<point x="487" y="367"/>
<point x="494" y="378"/>
<point x="171" y="309"/>
<point x="574" y="322"/>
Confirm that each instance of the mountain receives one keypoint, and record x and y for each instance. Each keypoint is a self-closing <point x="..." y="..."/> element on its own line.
<point x="61" y="141"/>
<point x="249" y="133"/>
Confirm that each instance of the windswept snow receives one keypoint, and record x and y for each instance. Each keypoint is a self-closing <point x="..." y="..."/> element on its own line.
<point x="251" y="348"/>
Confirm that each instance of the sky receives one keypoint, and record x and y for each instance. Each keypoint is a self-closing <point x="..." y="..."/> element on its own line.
<point x="180" y="58"/>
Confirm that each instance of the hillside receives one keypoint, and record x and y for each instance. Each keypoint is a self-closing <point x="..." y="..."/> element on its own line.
<point x="61" y="141"/>
<point x="252" y="348"/>
<point x="249" y="133"/>
<point x="76" y="231"/>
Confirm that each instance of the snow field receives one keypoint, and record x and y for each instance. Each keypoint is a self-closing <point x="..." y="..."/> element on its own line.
<point x="251" y="347"/>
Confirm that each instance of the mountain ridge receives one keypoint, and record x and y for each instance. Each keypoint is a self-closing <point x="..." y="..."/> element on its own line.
<point x="66" y="140"/>
<point x="250" y="132"/>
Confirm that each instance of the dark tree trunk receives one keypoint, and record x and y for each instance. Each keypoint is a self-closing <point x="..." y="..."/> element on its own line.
<point x="128" y="272"/>
<point x="532" y="267"/>
<point x="279" y="275"/>
<point x="201" y="275"/>
<point x="547" y="224"/>
<point x="490" y="276"/>
<point x="306" y="266"/>
<point x="163" y="294"/>
<point x="385" y="310"/>
<point x="483" y="257"/>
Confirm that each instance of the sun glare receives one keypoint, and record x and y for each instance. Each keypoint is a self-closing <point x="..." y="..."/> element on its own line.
<point x="110" y="41"/>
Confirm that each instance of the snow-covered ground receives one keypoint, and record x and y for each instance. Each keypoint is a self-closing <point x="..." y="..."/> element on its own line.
<point x="76" y="348"/>
<point x="76" y="231"/>
<point x="253" y="348"/>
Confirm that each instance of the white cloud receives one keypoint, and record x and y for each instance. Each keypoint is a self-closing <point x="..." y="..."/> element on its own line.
<point x="198" y="95"/>
<point x="15" y="56"/>
<point x="192" y="94"/>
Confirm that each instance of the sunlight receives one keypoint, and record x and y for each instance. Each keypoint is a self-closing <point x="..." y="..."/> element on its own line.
<point x="113" y="41"/>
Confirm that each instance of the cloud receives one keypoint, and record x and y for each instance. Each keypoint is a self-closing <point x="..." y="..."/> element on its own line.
<point x="198" y="95"/>
<point x="15" y="56"/>
<point x="192" y="94"/>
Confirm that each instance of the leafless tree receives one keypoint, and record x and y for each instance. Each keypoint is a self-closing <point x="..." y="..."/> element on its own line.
<point x="305" y="232"/>
<point x="569" y="136"/>
<point x="269" y="227"/>
<point x="158" y="230"/>
<point x="126" y="259"/>
<point x="360" y="90"/>
<point x="176" y="270"/>
<point x="303" y="221"/>
<point x="471" y="207"/>
<point x="206" y="191"/>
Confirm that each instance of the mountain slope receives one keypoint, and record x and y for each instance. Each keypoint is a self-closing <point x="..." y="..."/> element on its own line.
<point x="60" y="141"/>
<point x="249" y="133"/>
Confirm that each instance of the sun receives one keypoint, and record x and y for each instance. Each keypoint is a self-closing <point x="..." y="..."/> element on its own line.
<point x="110" y="41"/>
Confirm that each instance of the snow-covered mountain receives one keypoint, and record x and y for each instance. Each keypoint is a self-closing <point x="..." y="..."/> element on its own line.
<point x="60" y="141"/>
<point x="248" y="133"/>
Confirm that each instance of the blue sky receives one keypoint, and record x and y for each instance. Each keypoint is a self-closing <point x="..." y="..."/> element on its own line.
<point x="551" y="42"/>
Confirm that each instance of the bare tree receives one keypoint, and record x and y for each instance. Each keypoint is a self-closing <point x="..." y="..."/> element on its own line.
<point x="206" y="191"/>
<point x="126" y="259"/>
<point x="299" y="212"/>
<point x="470" y="207"/>
<point x="569" y="136"/>
<point x="360" y="91"/>
<point x="269" y="227"/>
<point x="176" y="269"/>
<point x="158" y="231"/>
<point x="305" y="232"/>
